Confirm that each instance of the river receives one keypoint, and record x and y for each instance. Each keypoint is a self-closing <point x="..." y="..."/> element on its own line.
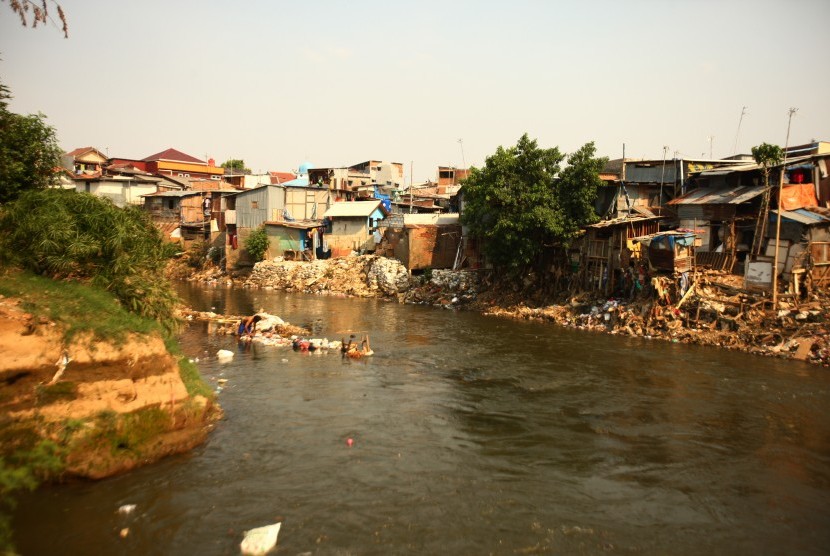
<point x="470" y="435"/>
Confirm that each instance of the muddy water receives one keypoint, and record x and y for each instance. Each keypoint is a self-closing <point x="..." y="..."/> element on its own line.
<point x="471" y="435"/>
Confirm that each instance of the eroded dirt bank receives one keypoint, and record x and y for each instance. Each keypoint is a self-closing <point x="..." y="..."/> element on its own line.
<point x="715" y="311"/>
<point x="108" y="407"/>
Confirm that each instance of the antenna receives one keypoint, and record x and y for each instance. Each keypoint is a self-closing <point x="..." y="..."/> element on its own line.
<point x="737" y="133"/>
<point x="463" y="162"/>
<point x="711" y="140"/>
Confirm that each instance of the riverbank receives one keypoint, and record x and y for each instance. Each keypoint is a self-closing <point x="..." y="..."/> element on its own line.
<point x="714" y="311"/>
<point x="99" y="387"/>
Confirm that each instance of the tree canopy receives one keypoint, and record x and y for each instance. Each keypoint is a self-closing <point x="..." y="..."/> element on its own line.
<point x="29" y="151"/>
<point x="767" y="155"/>
<point x="523" y="200"/>
<point x="236" y="164"/>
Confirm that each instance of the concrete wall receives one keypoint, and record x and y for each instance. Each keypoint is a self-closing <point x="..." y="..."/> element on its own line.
<point x="424" y="247"/>
<point x="236" y="258"/>
<point x="119" y="192"/>
<point x="350" y="234"/>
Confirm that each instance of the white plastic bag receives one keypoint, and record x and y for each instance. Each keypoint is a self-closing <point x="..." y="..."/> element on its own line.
<point x="260" y="540"/>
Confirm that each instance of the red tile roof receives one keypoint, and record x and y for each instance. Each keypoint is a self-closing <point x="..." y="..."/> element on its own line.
<point x="173" y="154"/>
<point x="281" y="177"/>
<point x="84" y="150"/>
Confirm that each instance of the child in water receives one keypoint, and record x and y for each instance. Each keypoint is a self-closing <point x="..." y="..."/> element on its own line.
<point x="247" y="326"/>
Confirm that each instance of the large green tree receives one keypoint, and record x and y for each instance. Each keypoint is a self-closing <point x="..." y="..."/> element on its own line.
<point x="29" y="151"/>
<point x="522" y="200"/>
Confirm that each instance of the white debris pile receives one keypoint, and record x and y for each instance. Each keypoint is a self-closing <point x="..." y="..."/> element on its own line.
<point x="388" y="275"/>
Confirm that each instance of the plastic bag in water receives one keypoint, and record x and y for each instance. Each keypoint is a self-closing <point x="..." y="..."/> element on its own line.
<point x="260" y="540"/>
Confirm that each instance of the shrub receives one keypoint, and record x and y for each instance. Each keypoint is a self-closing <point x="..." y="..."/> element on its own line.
<point x="65" y="234"/>
<point x="257" y="244"/>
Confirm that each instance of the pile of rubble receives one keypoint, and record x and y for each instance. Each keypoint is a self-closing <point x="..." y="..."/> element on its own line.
<point x="368" y="276"/>
<point x="444" y="288"/>
<point x="710" y="312"/>
<point x="360" y="276"/>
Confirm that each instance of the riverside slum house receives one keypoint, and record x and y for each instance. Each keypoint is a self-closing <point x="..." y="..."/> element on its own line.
<point x="724" y="223"/>
<point x="612" y="256"/>
<point x="197" y="213"/>
<point x="90" y="171"/>
<point x="433" y="196"/>
<point x="292" y="216"/>
<point x="354" y="227"/>
<point x="372" y="179"/>
<point x="421" y="241"/>
<point x="736" y="217"/>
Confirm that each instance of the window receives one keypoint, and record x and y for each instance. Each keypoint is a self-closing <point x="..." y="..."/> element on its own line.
<point x="170" y="204"/>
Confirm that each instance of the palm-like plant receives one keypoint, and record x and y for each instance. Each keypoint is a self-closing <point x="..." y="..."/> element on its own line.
<point x="69" y="235"/>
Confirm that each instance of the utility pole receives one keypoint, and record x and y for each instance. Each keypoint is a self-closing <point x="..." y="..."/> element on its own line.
<point x="778" y="219"/>
<point x="662" y="175"/>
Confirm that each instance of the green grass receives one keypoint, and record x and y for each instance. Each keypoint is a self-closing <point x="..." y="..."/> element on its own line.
<point x="78" y="307"/>
<point x="193" y="381"/>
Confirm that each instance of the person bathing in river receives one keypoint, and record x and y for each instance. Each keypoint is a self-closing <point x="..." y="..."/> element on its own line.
<point x="247" y="326"/>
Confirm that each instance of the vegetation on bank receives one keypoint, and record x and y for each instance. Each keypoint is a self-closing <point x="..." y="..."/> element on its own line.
<point x="81" y="237"/>
<point x="29" y="151"/>
<point x="257" y="244"/>
<point x="96" y="271"/>
<point x="78" y="307"/>
<point x="33" y="451"/>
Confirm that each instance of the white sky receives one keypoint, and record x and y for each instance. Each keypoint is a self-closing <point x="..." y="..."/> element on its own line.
<point x="335" y="83"/>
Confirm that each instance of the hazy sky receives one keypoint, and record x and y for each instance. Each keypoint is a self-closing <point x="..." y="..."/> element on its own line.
<point x="335" y="83"/>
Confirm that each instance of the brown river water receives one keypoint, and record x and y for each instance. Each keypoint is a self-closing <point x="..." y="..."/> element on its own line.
<point x="471" y="435"/>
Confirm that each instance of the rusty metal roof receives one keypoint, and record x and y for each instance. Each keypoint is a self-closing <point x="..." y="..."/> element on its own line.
<point x="623" y="221"/>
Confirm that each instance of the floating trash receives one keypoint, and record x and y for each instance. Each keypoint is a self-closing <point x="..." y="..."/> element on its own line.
<point x="260" y="540"/>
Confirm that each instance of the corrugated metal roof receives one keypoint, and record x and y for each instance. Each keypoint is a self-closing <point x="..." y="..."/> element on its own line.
<point x="726" y="171"/>
<point x="719" y="196"/>
<point x="172" y="194"/>
<point x="802" y="216"/>
<point x="352" y="208"/>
